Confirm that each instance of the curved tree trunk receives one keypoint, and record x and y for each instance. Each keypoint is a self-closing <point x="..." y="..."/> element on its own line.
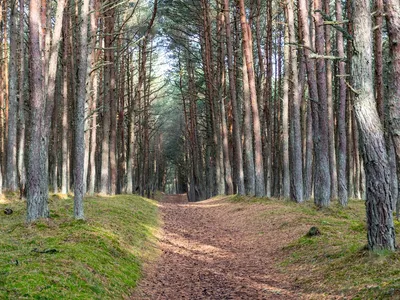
<point x="381" y="234"/>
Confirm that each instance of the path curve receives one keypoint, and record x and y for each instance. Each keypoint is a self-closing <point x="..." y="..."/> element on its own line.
<point x="216" y="249"/>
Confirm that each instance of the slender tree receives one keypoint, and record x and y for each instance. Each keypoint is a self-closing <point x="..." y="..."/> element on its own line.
<point x="247" y="53"/>
<point x="341" y="117"/>
<point x="36" y="204"/>
<point x="80" y="114"/>
<point x="392" y="11"/>
<point x="295" y="127"/>
<point x="11" y="158"/>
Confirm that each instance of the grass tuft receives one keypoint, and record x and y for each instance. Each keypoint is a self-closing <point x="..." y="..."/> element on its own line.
<point x="97" y="258"/>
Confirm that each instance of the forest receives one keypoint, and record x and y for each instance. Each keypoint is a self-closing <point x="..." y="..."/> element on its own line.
<point x="291" y="100"/>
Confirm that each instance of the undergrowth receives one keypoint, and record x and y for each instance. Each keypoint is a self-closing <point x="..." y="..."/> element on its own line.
<point x="336" y="262"/>
<point x="60" y="258"/>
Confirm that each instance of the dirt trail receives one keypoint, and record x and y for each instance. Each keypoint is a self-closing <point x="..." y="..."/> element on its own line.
<point x="216" y="249"/>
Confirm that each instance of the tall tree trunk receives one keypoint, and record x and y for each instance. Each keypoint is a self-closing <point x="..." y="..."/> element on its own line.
<point x="239" y="176"/>
<point x="381" y="234"/>
<point x="50" y="63"/>
<point x="392" y="11"/>
<point x="130" y="156"/>
<point x="331" y="118"/>
<point x="247" y="53"/>
<point x="224" y="127"/>
<point x="21" y="106"/>
<point x="65" y="124"/>
<point x="268" y="105"/>
<point x="378" y="58"/>
<point x="111" y="99"/>
<point x="5" y="86"/>
<point x="94" y="81"/>
<point x="11" y="157"/>
<point x="249" y="168"/>
<point x="80" y="114"/>
<point x="296" y="182"/>
<point x="341" y="117"/>
<point x="322" y="185"/>
<point x="318" y="106"/>
<point x="106" y="141"/>
<point x="36" y="204"/>
<point x="285" y="118"/>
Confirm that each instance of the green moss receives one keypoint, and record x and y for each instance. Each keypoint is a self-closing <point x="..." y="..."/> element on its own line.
<point x="337" y="259"/>
<point x="341" y="252"/>
<point x="99" y="258"/>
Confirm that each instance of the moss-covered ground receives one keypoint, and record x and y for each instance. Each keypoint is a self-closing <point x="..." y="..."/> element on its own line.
<point x="337" y="261"/>
<point x="60" y="258"/>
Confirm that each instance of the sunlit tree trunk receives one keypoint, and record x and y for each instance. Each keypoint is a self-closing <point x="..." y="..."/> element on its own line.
<point x="21" y="105"/>
<point x="80" y="114"/>
<point x="94" y="81"/>
<point x="36" y="204"/>
<point x="239" y="176"/>
<point x="247" y="53"/>
<point x="285" y="118"/>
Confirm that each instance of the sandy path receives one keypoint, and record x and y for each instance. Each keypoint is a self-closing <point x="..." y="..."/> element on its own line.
<point x="218" y="250"/>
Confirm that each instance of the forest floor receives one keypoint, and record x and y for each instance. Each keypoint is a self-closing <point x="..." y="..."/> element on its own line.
<point x="61" y="258"/>
<point x="247" y="248"/>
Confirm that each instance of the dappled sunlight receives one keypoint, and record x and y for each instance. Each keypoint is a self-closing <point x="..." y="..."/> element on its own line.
<point x="206" y="254"/>
<point x="193" y="248"/>
<point x="205" y="205"/>
<point x="96" y="258"/>
<point x="4" y="200"/>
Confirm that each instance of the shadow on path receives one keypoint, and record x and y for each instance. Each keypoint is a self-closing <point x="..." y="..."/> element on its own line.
<point x="216" y="249"/>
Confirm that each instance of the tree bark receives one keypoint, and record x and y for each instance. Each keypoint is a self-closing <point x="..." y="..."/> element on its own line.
<point x="224" y="127"/>
<point x="94" y="98"/>
<point x="285" y="118"/>
<point x="381" y="234"/>
<point x="378" y="57"/>
<point x="392" y="11"/>
<point x="239" y="176"/>
<point x="247" y="52"/>
<point x="317" y="89"/>
<point x="21" y="106"/>
<point x="249" y="168"/>
<point x="80" y="114"/>
<point x="322" y="186"/>
<point x="296" y="182"/>
<point x="341" y="117"/>
<point x="11" y="157"/>
<point x="36" y="204"/>
<point x="330" y="104"/>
